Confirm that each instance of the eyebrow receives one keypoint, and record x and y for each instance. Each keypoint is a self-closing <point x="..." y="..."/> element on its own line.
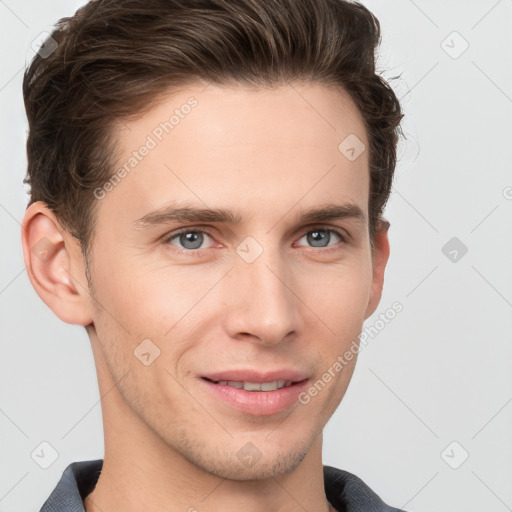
<point x="220" y="215"/>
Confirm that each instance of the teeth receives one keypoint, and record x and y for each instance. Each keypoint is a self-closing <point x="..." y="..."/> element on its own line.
<point x="253" y="386"/>
<point x="256" y="386"/>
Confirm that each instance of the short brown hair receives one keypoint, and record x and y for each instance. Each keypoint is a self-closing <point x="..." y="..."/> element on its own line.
<point x="113" y="58"/>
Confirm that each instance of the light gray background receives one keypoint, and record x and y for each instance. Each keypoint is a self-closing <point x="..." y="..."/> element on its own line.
<point x="439" y="372"/>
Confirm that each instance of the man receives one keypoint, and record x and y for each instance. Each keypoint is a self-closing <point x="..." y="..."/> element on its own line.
<point x="208" y="179"/>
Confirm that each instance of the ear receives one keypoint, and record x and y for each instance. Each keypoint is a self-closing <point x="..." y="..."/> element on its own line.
<point x="379" y="260"/>
<point x="55" y="265"/>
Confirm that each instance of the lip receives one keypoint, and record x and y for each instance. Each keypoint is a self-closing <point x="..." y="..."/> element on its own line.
<point x="256" y="376"/>
<point x="256" y="403"/>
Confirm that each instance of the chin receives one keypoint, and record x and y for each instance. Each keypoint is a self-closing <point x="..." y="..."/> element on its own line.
<point x="262" y="470"/>
<point x="240" y="465"/>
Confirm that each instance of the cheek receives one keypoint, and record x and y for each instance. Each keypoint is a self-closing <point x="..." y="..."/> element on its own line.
<point x="339" y="297"/>
<point x="146" y="299"/>
<point x="164" y="305"/>
<point x="340" y="301"/>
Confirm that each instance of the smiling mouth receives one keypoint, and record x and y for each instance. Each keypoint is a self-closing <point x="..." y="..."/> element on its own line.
<point x="256" y="386"/>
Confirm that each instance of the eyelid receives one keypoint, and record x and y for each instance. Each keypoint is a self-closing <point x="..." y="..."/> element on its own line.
<point x="344" y="235"/>
<point x="188" y="229"/>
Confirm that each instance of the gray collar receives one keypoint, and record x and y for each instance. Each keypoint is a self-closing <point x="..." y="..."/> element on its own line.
<point x="345" y="491"/>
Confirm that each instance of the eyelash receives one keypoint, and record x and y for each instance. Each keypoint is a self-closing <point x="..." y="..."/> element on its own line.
<point x="167" y="239"/>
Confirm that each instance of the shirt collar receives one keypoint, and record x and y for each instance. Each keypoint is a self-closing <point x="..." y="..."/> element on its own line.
<point x="345" y="491"/>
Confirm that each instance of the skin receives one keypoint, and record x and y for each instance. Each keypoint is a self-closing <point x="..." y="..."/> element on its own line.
<point x="266" y="154"/>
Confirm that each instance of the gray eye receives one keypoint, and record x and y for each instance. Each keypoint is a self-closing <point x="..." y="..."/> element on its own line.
<point x="190" y="239"/>
<point x="318" y="238"/>
<point x="321" y="237"/>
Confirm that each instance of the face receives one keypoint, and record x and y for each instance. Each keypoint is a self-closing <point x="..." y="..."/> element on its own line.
<point x="260" y="290"/>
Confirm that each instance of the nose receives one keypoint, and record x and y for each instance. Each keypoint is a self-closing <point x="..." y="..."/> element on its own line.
<point x="262" y="304"/>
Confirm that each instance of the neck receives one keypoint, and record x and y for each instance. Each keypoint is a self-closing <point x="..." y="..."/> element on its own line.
<point x="142" y="472"/>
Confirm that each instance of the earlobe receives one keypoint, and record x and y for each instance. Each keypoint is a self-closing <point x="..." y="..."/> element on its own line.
<point x="54" y="265"/>
<point x="379" y="260"/>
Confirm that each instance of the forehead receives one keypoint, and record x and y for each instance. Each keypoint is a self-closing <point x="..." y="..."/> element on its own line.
<point x="261" y="149"/>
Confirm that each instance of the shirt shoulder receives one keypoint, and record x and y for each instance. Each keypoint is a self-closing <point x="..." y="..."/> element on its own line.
<point x="76" y="482"/>
<point x="348" y="493"/>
